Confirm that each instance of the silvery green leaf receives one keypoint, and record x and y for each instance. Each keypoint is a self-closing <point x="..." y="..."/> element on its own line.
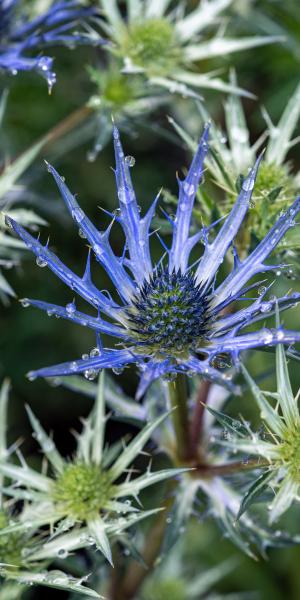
<point x="156" y="8"/>
<point x="67" y="542"/>
<point x="191" y="144"/>
<point x="131" y="550"/>
<point x="112" y="14"/>
<point x="234" y="533"/>
<point x="7" y="241"/>
<point x="24" y="494"/>
<point x="3" y="102"/>
<point x="134" y="447"/>
<point x="280" y="135"/>
<point x="4" y="391"/>
<point x="219" y="46"/>
<point x="254" y="491"/>
<point x="114" y="396"/>
<point x="119" y="525"/>
<point x="135" y="9"/>
<point x="202" y="583"/>
<point x="54" y="579"/>
<point x="96" y="528"/>
<point x="5" y="288"/>
<point x="284" y="497"/>
<point x="179" y="514"/>
<point x="288" y="403"/>
<point x="84" y="441"/>
<point x="120" y="507"/>
<point x="98" y="423"/>
<point x="13" y="171"/>
<point x="177" y="87"/>
<point x="210" y="81"/>
<point x="11" y="591"/>
<point x="227" y="422"/>
<point x="45" y="442"/>
<point x="268" y="413"/>
<point x="200" y="18"/>
<point x="25" y="216"/>
<point x="132" y="488"/>
<point x="238" y="133"/>
<point x="26" y="476"/>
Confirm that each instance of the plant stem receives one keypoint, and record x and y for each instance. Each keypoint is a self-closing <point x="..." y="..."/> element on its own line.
<point x="136" y="573"/>
<point x="198" y="414"/>
<point x="67" y="124"/>
<point x="178" y="398"/>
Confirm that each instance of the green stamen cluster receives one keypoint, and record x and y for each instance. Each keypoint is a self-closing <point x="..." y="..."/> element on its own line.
<point x="115" y="89"/>
<point x="11" y="545"/>
<point x="290" y="453"/>
<point x="151" y="45"/>
<point x="274" y="191"/>
<point x="82" y="490"/>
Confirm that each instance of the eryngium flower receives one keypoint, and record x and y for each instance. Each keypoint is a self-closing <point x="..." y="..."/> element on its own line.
<point x="166" y="45"/>
<point x="21" y="36"/>
<point x="87" y="498"/>
<point x="170" y="317"/>
<point x="280" y="444"/>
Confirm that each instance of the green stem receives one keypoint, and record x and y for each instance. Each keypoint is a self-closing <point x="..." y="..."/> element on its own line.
<point x="128" y="587"/>
<point x="178" y="393"/>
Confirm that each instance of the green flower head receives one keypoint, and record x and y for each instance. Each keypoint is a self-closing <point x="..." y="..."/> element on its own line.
<point x="89" y="497"/>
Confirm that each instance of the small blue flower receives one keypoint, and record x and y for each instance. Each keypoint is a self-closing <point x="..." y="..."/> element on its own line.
<point x="171" y="317"/>
<point x="21" y="36"/>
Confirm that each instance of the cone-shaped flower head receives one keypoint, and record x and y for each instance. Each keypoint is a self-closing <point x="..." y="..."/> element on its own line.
<point x="280" y="444"/>
<point x="88" y="496"/>
<point x="21" y="36"/>
<point x="170" y="316"/>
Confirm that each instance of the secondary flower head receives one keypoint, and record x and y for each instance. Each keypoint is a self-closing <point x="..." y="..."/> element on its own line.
<point x="279" y="447"/>
<point x="88" y="498"/>
<point x="233" y="154"/>
<point x="167" y="45"/>
<point x="170" y="315"/>
<point x="20" y="535"/>
<point x="22" y="36"/>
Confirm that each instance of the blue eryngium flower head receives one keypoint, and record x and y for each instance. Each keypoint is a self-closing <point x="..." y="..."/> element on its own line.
<point x="20" y="36"/>
<point x="171" y="317"/>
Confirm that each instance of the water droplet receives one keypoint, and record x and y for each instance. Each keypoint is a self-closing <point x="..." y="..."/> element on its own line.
<point x="41" y="262"/>
<point x="130" y="161"/>
<point x="71" y="308"/>
<point x="265" y="307"/>
<point x="188" y="188"/>
<point x="248" y="184"/>
<point x="98" y="249"/>
<point x="78" y="214"/>
<point x="25" y="302"/>
<point x="117" y="370"/>
<point x="94" y="352"/>
<point x="31" y="376"/>
<point x="90" y="374"/>
<point x="261" y="290"/>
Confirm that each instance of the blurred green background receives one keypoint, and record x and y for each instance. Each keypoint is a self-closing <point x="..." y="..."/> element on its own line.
<point x="29" y="339"/>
